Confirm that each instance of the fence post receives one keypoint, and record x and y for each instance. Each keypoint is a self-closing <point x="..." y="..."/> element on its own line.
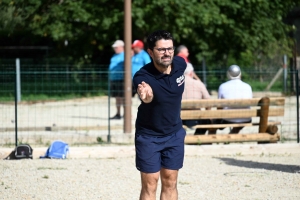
<point x="18" y="80"/>
<point x="108" y="90"/>
<point x="285" y="74"/>
<point x="204" y="72"/>
<point x="17" y="85"/>
<point x="297" y="98"/>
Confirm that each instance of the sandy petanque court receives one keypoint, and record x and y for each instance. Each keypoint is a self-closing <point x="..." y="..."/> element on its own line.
<point x="265" y="171"/>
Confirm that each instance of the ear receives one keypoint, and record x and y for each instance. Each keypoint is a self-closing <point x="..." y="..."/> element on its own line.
<point x="150" y="52"/>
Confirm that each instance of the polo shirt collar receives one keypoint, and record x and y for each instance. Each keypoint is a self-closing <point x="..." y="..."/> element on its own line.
<point x="157" y="74"/>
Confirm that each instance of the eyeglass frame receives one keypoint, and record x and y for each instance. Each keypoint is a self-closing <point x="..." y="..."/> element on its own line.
<point x="165" y="50"/>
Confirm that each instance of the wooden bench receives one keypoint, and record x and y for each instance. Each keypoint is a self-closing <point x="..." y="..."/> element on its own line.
<point x="263" y="108"/>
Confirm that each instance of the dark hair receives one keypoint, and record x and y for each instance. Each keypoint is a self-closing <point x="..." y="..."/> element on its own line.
<point x="158" y="35"/>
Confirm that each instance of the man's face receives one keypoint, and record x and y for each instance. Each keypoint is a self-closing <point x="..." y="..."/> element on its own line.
<point x="136" y="50"/>
<point x="163" y="53"/>
<point x="185" y="52"/>
<point x="118" y="49"/>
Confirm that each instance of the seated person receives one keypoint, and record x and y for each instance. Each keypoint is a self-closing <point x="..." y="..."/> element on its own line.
<point x="235" y="88"/>
<point x="194" y="89"/>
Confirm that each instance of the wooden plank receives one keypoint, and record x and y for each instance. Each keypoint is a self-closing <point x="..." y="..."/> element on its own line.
<point x="204" y="103"/>
<point x="229" y="125"/>
<point x="269" y="123"/>
<point x="221" y="125"/>
<point x="219" y="138"/>
<point x="233" y="113"/>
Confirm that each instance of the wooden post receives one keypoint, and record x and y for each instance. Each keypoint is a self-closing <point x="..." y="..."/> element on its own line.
<point x="272" y="129"/>
<point x="127" y="65"/>
<point x="264" y="113"/>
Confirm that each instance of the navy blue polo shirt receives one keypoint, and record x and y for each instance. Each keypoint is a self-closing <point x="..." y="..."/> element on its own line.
<point x="161" y="116"/>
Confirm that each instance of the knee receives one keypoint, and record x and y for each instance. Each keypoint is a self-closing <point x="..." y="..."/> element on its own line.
<point x="150" y="186"/>
<point x="169" y="184"/>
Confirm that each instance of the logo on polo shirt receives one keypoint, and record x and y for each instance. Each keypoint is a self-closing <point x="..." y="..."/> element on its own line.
<point x="180" y="80"/>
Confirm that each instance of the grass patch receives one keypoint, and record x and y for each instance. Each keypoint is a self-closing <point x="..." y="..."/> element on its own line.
<point x="100" y="140"/>
<point x="183" y="183"/>
<point x="261" y="86"/>
<point x="239" y="154"/>
<point x="45" y="177"/>
<point x="50" y="168"/>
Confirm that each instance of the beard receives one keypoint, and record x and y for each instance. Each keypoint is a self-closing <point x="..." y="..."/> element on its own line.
<point x="164" y="61"/>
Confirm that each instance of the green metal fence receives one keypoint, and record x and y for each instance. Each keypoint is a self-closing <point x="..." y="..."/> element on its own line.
<point x="71" y="103"/>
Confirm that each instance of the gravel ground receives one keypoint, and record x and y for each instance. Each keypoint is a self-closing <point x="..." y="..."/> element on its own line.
<point x="218" y="176"/>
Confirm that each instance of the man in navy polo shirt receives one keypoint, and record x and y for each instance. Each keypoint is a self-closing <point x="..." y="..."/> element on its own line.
<point x="159" y="138"/>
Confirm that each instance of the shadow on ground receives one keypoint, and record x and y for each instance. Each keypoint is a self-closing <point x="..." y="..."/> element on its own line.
<point x="261" y="165"/>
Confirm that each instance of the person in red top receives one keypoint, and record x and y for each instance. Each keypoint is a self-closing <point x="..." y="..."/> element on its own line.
<point x="183" y="52"/>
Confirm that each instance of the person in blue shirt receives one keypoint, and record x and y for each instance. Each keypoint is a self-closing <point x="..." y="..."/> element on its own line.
<point x="116" y="76"/>
<point x="159" y="136"/>
<point x="139" y="59"/>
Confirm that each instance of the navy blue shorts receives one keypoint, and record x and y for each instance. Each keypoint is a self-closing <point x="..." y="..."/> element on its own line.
<point x="153" y="153"/>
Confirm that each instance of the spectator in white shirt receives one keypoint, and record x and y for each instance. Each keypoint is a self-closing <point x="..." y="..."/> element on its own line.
<point x="235" y="88"/>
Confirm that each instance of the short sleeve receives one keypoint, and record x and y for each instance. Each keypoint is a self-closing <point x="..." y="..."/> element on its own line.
<point x="220" y="92"/>
<point x="205" y="94"/>
<point x="139" y="78"/>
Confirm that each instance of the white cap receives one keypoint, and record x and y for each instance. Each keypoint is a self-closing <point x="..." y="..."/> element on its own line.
<point x="189" y="68"/>
<point x="118" y="43"/>
<point x="234" y="72"/>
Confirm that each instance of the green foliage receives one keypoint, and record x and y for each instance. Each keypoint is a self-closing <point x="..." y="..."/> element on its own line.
<point x="218" y="30"/>
<point x="9" y="18"/>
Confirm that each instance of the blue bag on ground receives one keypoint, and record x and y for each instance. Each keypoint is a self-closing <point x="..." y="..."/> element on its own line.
<point x="58" y="149"/>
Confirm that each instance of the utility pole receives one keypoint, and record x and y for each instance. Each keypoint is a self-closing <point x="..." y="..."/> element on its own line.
<point x="127" y="66"/>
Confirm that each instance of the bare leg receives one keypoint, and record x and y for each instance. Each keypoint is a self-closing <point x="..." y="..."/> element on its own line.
<point x="149" y="185"/>
<point x="168" y="184"/>
<point x="212" y="131"/>
<point x="235" y="130"/>
<point x="119" y="102"/>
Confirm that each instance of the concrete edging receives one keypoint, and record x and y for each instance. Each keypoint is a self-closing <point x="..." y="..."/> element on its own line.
<point x="114" y="151"/>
